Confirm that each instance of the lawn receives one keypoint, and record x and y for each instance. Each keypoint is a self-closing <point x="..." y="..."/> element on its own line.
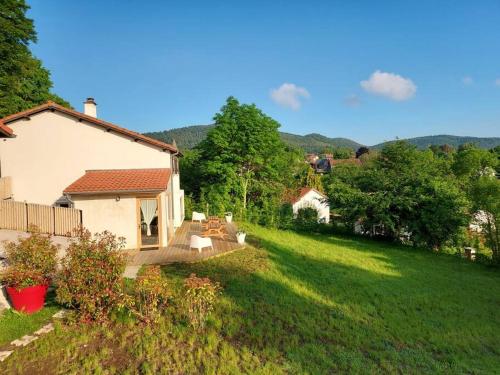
<point x="14" y="325"/>
<point x="303" y="304"/>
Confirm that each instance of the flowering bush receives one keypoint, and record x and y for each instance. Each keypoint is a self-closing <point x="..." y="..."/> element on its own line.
<point x="32" y="260"/>
<point x="90" y="279"/>
<point x="199" y="298"/>
<point x="151" y="294"/>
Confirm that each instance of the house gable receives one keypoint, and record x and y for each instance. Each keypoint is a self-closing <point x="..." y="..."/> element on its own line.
<point x="54" y="148"/>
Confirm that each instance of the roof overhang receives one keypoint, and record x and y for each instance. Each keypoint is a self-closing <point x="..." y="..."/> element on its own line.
<point x="51" y="106"/>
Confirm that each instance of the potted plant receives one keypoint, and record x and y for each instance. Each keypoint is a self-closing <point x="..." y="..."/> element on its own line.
<point x="229" y="217"/>
<point x="240" y="236"/>
<point x="31" y="265"/>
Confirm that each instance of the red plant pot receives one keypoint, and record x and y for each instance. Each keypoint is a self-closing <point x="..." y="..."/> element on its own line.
<point x="28" y="300"/>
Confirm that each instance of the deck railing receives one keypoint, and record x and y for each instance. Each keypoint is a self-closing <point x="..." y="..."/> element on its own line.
<point x="60" y="221"/>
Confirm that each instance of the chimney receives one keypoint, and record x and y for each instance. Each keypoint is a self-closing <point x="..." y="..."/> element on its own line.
<point x="90" y="107"/>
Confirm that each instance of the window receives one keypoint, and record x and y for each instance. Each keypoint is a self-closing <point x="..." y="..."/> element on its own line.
<point x="175" y="165"/>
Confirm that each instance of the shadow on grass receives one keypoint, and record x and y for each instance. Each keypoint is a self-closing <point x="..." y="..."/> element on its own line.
<point x="313" y="313"/>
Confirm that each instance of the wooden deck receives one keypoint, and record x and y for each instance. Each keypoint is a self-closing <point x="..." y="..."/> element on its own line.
<point x="179" y="251"/>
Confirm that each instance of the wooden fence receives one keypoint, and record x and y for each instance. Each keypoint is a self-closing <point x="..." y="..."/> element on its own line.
<point x="20" y="216"/>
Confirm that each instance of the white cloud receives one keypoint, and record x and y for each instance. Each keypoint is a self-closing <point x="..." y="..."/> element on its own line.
<point x="289" y="95"/>
<point x="352" y="101"/>
<point x="497" y="82"/>
<point x="467" y="80"/>
<point x="390" y="85"/>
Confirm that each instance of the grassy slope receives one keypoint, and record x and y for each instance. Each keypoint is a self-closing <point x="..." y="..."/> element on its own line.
<point x="312" y="304"/>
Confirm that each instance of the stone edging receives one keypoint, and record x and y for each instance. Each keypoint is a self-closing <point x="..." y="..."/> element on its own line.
<point x="27" y="339"/>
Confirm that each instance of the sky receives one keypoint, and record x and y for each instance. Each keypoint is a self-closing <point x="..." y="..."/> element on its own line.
<point x="366" y="70"/>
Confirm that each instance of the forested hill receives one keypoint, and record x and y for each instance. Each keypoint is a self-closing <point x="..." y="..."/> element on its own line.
<point x="452" y="140"/>
<point x="190" y="136"/>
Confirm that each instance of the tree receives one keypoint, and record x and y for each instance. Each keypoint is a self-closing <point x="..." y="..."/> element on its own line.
<point x="406" y="192"/>
<point x="24" y="82"/>
<point x="472" y="162"/>
<point x="309" y="178"/>
<point x="485" y="194"/>
<point x="361" y="151"/>
<point x="241" y="156"/>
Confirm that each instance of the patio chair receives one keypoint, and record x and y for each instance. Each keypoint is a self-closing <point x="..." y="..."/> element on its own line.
<point x="198" y="216"/>
<point x="199" y="243"/>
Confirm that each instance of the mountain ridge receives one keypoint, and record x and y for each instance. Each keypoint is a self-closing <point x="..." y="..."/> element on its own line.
<point x="188" y="137"/>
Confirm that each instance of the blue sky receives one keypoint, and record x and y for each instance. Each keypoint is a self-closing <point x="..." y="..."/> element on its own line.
<point x="366" y="70"/>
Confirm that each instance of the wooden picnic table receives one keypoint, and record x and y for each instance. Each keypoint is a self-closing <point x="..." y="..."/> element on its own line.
<point x="213" y="229"/>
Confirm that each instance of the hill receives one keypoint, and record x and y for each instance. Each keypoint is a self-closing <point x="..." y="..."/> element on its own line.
<point x="452" y="140"/>
<point x="189" y="136"/>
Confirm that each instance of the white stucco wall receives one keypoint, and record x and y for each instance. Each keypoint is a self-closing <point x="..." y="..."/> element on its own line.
<point x="52" y="150"/>
<point x="105" y="213"/>
<point x="177" y="196"/>
<point x="313" y="199"/>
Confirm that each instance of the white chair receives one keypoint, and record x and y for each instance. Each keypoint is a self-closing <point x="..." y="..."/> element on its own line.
<point x="199" y="243"/>
<point x="198" y="216"/>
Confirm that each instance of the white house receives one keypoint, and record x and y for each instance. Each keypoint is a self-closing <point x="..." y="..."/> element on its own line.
<point x="312" y="198"/>
<point x="122" y="181"/>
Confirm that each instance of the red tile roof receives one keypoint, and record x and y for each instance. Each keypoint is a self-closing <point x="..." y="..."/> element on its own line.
<point x="121" y="180"/>
<point x="302" y="193"/>
<point x="51" y="106"/>
<point x="343" y="161"/>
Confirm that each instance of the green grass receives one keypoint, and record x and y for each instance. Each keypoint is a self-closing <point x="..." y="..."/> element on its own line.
<point x="304" y="304"/>
<point x="14" y="325"/>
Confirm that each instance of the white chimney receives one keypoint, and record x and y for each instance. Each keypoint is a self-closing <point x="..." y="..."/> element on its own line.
<point x="90" y="107"/>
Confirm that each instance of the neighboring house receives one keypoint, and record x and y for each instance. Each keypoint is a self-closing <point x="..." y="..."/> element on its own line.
<point x="311" y="159"/>
<point x="328" y="163"/>
<point x="122" y="181"/>
<point x="312" y="198"/>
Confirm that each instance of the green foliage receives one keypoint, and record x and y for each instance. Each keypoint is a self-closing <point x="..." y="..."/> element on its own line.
<point x="189" y="137"/>
<point x="242" y="166"/>
<point x="285" y="220"/>
<point x="200" y="295"/>
<point x="307" y="219"/>
<point x="309" y="178"/>
<point x="302" y="304"/>
<point x="408" y="195"/>
<point x="32" y="260"/>
<point x="423" y="143"/>
<point x="472" y="162"/>
<point x="90" y="279"/>
<point x="485" y="193"/>
<point x="24" y="82"/>
<point x="151" y="295"/>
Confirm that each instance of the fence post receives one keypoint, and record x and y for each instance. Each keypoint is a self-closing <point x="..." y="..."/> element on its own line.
<point x="27" y="216"/>
<point x="53" y="220"/>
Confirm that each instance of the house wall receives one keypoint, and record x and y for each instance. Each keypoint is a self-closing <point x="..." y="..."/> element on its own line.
<point x="52" y="150"/>
<point x="313" y="199"/>
<point x="105" y="213"/>
<point x="164" y="218"/>
<point x="177" y="201"/>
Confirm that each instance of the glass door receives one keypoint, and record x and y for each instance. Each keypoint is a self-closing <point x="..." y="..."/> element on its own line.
<point x="149" y="222"/>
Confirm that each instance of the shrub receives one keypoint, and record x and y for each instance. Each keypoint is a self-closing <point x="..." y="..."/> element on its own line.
<point x="32" y="260"/>
<point x="199" y="298"/>
<point x="90" y="279"/>
<point x="307" y="219"/>
<point x="286" y="216"/>
<point x="151" y="294"/>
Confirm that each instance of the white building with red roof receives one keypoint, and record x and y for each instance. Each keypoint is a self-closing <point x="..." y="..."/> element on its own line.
<point x="312" y="198"/>
<point x="122" y="181"/>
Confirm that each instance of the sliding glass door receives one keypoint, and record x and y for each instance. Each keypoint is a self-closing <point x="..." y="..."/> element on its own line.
<point x="149" y="222"/>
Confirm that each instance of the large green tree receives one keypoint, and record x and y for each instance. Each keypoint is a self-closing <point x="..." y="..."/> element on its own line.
<point x="24" y="82"/>
<point x="405" y="193"/>
<point x="243" y="162"/>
